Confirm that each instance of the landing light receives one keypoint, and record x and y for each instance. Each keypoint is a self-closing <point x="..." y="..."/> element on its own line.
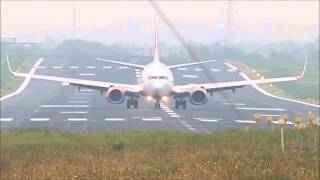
<point x="149" y="98"/>
<point x="164" y="98"/>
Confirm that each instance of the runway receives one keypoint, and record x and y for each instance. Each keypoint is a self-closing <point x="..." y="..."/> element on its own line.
<point x="50" y="105"/>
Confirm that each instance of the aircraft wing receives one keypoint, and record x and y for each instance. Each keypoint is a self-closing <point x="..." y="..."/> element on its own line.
<point x="211" y="87"/>
<point x="77" y="82"/>
<point x="122" y="63"/>
<point x="189" y="64"/>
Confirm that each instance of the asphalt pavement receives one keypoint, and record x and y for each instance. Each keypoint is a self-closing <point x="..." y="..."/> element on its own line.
<point x="52" y="105"/>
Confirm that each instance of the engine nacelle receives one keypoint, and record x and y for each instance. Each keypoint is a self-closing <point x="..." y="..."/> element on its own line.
<point x="115" y="95"/>
<point x="198" y="96"/>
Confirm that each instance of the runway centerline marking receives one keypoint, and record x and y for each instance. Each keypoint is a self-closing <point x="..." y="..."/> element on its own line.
<point x="261" y="109"/>
<point x="39" y="119"/>
<point x="114" y="119"/>
<point x="6" y="119"/>
<point x="73" y="67"/>
<point x="77" y="119"/>
<point x="64" y="106"/>
<point x="246" y="121"/>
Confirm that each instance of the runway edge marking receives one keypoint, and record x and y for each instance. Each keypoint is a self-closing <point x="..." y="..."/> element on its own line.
<point x="274" y="96"/>
<point x="25" y="82"/>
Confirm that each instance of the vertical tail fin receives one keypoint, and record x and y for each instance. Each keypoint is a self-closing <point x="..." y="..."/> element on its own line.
<point x="156" y="51"/>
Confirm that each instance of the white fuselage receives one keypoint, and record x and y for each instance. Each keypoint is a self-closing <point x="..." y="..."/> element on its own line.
<point x="157" y="80"/>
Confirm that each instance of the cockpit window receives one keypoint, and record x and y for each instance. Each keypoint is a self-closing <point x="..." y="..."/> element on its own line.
<point x="163" y="77"/>
<point x="158" y="77"/>
<point x="153" y="77"/>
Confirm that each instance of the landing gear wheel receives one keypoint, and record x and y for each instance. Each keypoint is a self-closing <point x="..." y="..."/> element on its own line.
<point x="128" y="104"/>
<point x="184" y="104"/>
<point x="157" y="104"/>
<point x="135" y="103"/>
<point x="176" y="104"/>
<point x="132" y="102"/>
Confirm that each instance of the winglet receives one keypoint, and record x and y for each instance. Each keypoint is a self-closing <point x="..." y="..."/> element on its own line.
<point x="9" y="66"/>
<point x="304" y="69"/>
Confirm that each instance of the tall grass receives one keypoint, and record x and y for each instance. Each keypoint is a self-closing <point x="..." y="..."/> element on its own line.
<point x="232" y="154"/>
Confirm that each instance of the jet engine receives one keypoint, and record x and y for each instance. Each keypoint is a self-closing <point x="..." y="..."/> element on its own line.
<point x="115" y="95"/>
<point x="198" y="96"/>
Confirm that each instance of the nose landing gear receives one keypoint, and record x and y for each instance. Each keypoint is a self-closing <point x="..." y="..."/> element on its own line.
<point x="157" y="104"/>
<point x="132" y="102"/>
<point x="180" y="102"/>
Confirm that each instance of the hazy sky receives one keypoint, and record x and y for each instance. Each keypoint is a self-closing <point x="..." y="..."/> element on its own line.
<point x="275" y="20"/>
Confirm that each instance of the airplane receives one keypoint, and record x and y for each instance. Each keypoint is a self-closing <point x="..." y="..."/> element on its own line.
<point x="157" y="83"/>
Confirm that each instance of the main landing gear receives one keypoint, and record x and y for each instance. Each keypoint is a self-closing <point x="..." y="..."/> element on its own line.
<point x="132" y="102"/>
<point x="180" y="102"/>
<point x="157" y="104"/>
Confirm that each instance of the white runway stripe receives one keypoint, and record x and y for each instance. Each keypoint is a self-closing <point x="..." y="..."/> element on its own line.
<point x="261" y="109"/>
<point x="77" y="119"/>
<point x="182" y="69"/>
<point x="106" y="67"/>
<point x="73" y="67"/>
<point x="215" y="70"/>
<point x="123" y="67"/>
<point x="175" y="116"/>
<point x="114" y="119"/>
<point x="207" y="120"/>
<point x="6" y="119"/>
<point x="57" y="67"/>
<point x="232" y="68"/>
<point x="276" y="122"/>
<point x="90" y="67"/>
<point x="272" y="115"/>
<point x="64" y="106"/>
<point x="86" y="74"/>
<point x="246" y="121"/>
<point x="73" y="112"/>
<point x="41" y="67"/>
<point x="151" y="119"/>
<point x="86" y="90"/>
<point x="236" y="104"/>
<point x="198" y="69"/>
<point x="39" y="119"/>
<point x="190" y="76"/>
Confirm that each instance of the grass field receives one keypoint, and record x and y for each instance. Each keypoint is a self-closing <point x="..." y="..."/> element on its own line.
<point x="9" y="83"/>
<point x="226" y="155"/>
<point x="307" y="88"/>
